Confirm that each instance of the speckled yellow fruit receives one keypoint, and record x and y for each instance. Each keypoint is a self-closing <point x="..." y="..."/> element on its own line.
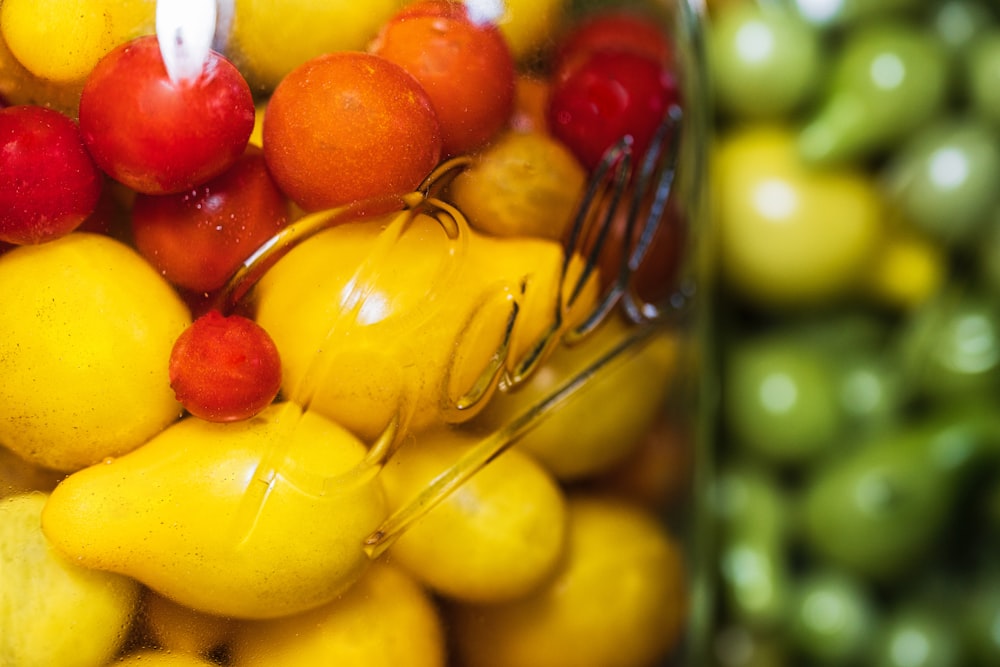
<point x="62" y="40"/>
<point x="391" y="320"/>
<point x="384" y="620"/>
<point x="19" y="86"/>
<point x="270" y="38"/>
<point x="606" y="419"/>
<point x="86" y="330"/>
<point x="52" y="611"/>
<point x="252" y="519"/>
<point x="529" y="24"/>
<point x="617" y="601"/>
<point x="790" y="235"/>
<point x="496" y="537"/>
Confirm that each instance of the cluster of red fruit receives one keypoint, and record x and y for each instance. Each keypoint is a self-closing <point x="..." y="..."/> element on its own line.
<point x="343" y="127"/>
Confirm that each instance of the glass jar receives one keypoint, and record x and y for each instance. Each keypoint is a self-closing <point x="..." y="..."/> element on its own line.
<point x="381" y="339"/>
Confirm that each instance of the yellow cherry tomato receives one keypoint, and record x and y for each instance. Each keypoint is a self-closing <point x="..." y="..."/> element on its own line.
<point x="162" y="658"/>
<point x="618" y="599"/>
<point x="496" y="537"/>
<point x="62" y="40"/>
<point x="607" y="418"/>
<point x="52" y="610"/>
<point x="524" y="184"/>
<point x="384" y="620"/>
<point x="790" y="235"/>
<point x="86" y="331"/>
<point x="391" y="321"/>
<point x="269" y="39"/>
<point x="253" y="519"/>
<point x="19" y="86"/>
<point x="528" y="24"/>
<point x="907" y="270"/>
<point x="20" y="476"/>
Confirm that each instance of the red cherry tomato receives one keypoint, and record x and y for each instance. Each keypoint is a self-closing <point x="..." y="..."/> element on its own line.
<point x="48" y="182"/>
<point x="349" y="126"/>
<point x="611" y="31"/>
<point x="158" y="136"/>
<point x="224" y="368"/>
<point x="610" y="95"/>
<point x="197" y="239"/>
<point x="465" y="67"/>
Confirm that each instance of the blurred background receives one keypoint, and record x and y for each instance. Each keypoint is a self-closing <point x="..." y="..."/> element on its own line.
<point x="856" y="196"/>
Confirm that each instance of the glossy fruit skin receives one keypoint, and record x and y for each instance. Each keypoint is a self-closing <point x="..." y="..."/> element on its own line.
<point x="610" y="30"/>
<point x="224" y="368"/>
<point x="348" y="126"/>
<point x="608" y="96"/>
<point x="48" y="182"/>
<point x="466" y="69"/>
<point x="158" y="136"/>
<point x="198" y="238"/>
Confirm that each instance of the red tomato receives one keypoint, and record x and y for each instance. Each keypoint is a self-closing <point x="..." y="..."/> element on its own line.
<point x="48" y="182"/>
<point x="610" y="95"/>
<point x="224" y="368"/>
<point x="197" y="239"/>
<point x="611" y="31"/>
<point x="465" y="67"/>
<point x="349" y="126"/>
<point x="158" y="136"/>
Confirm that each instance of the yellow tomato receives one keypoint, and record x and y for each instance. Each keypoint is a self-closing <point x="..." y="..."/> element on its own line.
<point x="524" y="184"/>
<point x="391" y="321"/>
<point x="20" y="476"/>
<point x="176" y="628"/>
<point x="528" y="24"/>
<point x="606" y="419"/>
<point x="384" y="620"/>
<point x="790" y="235"/>
<point x="618" y="600"/>
<point x="908" y="270"/>
<point x="254" y="519"/>
<point x="52" y="610"/>
<point x="62" y="40"/>
<point x="19" y="86"/>
<point x="270" y="38"/>
<point x="496" y="537"/>
<point x="164" y="658"/>
<point x="86" y="331"/>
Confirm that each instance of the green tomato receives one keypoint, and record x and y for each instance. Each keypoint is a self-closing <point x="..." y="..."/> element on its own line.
<point x="889" y="79"/>
<point x="781" y="400"/>
<point x="943" y="178"/>
<point x="958" y="22"/>
<point x="765" y="62"/>
<point x="832" y="617"/>
<point x="982" y="75"/>
<point x="917" y="636"/>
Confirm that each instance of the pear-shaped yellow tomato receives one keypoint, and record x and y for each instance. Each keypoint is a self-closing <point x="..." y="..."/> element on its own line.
<point x="618" y="599"/>
<point x="384" y="620"/>
<point x="52" y="611"/>
<point x="86" y="331"/>
<point x="392" y="320"/>
<point x="790" y="234"/>
<point x="258" y="518"/>
<point x="496" y="537"/>
<point x="608" y="416"/>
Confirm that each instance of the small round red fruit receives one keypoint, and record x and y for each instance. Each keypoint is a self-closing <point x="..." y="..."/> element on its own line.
<point x="610" y="95"/>
<point x="224" y="369"/>
<point x="48" y="182"/>
<point x="349" y="126"/>
<point x="465" y="67"/>
<point x="160" y="136"/>
<point x="197" y="239"/>
<point x="611" y="31"/>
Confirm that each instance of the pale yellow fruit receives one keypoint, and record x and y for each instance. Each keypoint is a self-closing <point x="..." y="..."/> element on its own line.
<point x="617" y="601"/>
<point x="255" y="519"/>
<point x="52" y="611"/>
<point x="496" y="537"/>
<point x="86" y="331"/>
<point x="604" y="421"/>
<point x="529" y="24"/>
<point x="270" y="38"/>
<point x="62" y="40"/>
<point x="384" y="620"/>
<point x="153" y="658"/>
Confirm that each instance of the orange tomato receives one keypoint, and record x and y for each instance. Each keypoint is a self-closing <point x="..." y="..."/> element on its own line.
<point x="349" y="126"/>
<point x="465" y="67"/>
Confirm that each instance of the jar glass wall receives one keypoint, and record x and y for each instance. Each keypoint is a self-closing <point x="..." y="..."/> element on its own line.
<point x="368" y="336"/>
